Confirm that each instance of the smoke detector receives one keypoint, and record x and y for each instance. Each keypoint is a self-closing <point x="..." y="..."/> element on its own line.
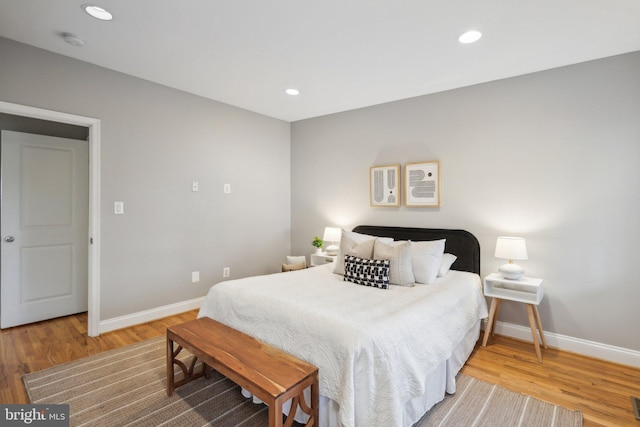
<point x="73" y="40"/>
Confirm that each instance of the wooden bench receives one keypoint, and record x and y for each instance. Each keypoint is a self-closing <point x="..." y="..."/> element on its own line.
<point x="269" y="373"/>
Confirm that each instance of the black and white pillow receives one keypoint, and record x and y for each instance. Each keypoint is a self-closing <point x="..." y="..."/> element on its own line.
<point x="367" y="272"/>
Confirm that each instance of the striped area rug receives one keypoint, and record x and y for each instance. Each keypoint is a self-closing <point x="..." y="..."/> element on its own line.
<point x="478" y="403"/>
<point x="126" y="387"/>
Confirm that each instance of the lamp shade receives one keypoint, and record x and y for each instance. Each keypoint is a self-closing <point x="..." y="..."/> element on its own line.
<point x="511" y="248"/>
<point x="332" y="234"/>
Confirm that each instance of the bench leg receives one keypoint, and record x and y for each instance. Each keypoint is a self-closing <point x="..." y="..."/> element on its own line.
<point x="170" y="383"/>
<point x="315" y="402"/>
<point x="275" y="413"/>
<point x="312" y="409"/>
<point x="188" y="372"/>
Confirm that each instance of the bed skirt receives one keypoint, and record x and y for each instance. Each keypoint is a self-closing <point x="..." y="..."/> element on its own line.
<point x="442" y="380"/>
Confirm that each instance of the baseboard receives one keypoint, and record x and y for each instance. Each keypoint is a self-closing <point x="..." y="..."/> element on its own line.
<point x="149" y="315"/>
<point x="576" y="345"/>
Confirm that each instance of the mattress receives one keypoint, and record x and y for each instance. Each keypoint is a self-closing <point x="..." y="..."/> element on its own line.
<point x="375" y="348"/>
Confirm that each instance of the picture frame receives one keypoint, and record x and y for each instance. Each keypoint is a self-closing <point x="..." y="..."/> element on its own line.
<point x="385" y="187"/>
<point x="422" y="184"/>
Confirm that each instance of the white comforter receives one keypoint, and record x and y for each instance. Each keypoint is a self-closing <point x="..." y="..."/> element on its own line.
<point x="373" y="347"/>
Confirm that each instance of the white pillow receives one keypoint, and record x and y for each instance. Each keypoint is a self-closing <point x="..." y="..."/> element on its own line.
<point x="426" y="258"/>
<point x="296" y="259"/>
<point x="399" y="255"/>
<point x="359" y="237"/>
<point x="349" y="245"/>
<point x="445" y="264"/>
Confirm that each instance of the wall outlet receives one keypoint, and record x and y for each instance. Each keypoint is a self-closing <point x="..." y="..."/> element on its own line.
<point x="226" y="272"/>
<point x="118" y="208"/>
<point x="227" y="189"/>
<point x="195" y="276"/>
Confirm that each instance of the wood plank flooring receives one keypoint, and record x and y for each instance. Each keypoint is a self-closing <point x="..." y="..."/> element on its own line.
<point x="601" y="390"/>
<point x="41" y="345"/>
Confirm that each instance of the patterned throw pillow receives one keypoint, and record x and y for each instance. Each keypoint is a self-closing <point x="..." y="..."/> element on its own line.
<point x="367" y="272"/>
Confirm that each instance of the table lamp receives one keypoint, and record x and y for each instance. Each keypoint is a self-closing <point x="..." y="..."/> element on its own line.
<point x="511" y="248"/>
<point x="332" y="235"/>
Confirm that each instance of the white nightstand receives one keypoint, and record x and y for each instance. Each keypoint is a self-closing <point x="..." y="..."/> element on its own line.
<point x="322" y="258"/>
<point x="526" y="290"/>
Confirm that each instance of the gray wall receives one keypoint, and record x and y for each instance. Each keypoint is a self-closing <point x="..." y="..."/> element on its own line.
<point x="552" y="156"/>
<point x="155" y="141"/>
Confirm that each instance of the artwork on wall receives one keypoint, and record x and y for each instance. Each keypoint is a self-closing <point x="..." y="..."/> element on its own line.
<point x="422" y="184"/>
<point x="384" y="187"/>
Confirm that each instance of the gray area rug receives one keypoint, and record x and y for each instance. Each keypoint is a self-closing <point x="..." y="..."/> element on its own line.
<point x="126" y="386"/>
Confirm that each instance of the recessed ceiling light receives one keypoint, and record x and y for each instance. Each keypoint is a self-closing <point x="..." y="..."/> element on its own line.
<point x="470" y="37"/>
<point x="97" y="12"/>
<point x="292" y="92"/>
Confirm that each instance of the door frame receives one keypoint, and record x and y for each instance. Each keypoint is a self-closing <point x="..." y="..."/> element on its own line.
<point x="93" y="324"/>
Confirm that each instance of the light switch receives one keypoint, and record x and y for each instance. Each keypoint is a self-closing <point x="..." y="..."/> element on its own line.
<point x="118" y="208"/>
<point x="194" y="186"/>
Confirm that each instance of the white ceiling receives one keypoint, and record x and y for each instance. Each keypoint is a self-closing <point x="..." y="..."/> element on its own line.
<point x="341" y="54"/>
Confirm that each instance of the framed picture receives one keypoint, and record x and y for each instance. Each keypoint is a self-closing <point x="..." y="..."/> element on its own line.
<point x="422" y="184"/>
<point x="384" y="188"/>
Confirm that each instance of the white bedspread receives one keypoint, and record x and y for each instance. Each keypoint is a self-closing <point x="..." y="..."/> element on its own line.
<point x="373" y="347"/>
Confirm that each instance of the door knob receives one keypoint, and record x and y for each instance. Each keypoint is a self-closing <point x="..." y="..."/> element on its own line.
<point x="9" y="239"/>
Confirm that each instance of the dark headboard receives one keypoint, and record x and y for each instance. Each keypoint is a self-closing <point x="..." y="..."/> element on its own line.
<point x="460" y="243"/>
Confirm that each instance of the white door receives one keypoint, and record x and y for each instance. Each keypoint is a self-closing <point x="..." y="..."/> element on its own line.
<point x="44" y="247"/>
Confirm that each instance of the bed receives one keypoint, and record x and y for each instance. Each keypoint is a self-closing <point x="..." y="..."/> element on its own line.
<point x="385" y="355"/>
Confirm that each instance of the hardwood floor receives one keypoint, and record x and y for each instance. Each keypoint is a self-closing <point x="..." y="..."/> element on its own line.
<point x="41" y="345"/>
<point x="601" y="390"/>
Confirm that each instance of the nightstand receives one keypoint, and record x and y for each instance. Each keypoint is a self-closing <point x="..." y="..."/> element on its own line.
<point x="526" y="290"/>
<point x="322" y="258"/>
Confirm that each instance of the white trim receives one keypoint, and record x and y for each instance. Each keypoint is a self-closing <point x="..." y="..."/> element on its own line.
<point x="93" y="328"/>
<point x="149" y="315"/>
<point x="94" y="195"/>
<point x="576" y="345"/>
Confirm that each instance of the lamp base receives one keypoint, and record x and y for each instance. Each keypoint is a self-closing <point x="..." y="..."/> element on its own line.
<point x="511" y="271"/>
<point x="331" y="250"/>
